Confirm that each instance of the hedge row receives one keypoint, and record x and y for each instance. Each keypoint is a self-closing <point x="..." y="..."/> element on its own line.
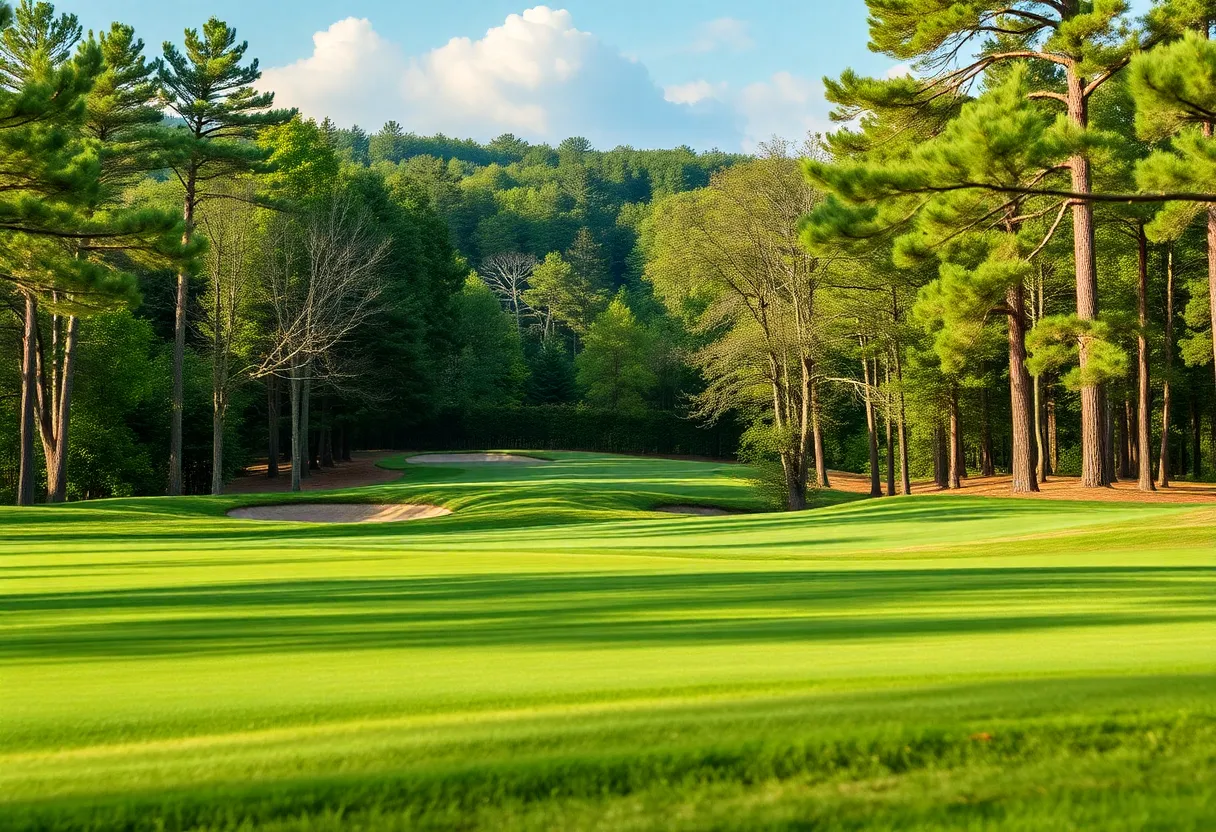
<point x="558" y="427"/>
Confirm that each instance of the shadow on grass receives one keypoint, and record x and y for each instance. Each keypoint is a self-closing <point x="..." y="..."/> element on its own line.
<point x="584" y="610"/>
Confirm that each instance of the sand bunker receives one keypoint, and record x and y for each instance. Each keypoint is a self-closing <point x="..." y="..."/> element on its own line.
<point x="339" y="513"/>
<point x="703" y="511"/>
<point x="439" y="459"/>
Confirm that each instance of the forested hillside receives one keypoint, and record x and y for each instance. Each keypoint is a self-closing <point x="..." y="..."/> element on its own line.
<point x="957" y="281"/>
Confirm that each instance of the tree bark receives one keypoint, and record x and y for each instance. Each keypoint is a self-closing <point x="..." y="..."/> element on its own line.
<point x="905" y="475"/>
<point x="1053" y="437"/>
<point x="219" y="402"/>
<point x="1212" y="268"/>
<point x="57" y="452"/>
<point x="272" y="425"/>
<point x="1163" y="459"/>
<point x="941" y="464"/>
<point x="179" y="347"/>
<point x="1021" y="395"/>
<point x="890" y="444"/>
<point x="1144" y="415"/>
<point x="27" y="472"/>
<point x="305" y="403"/>
<point x="872" y="431"/>
<point x="297" y="447"/>
<point x="1095" y="468"/>
<point x="821" y="462"/>
<point x="956" y="443"/>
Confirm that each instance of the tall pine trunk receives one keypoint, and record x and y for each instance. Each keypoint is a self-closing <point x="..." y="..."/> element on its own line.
<point x="896" y="352"/>
<point x="890" y="443"/>
<point x="1144" y="415"/>
<point x="956" y="442"/>
<point x="1021" y="396"/>
<point x="1163" y="460"/>
<point x="1212" y="267"/>
<point x="27" y="473"/>
<point x="871" y="430"/>
<point x="57" y="417"/>
<point x="941" y="462"/>
<point x="179" y="345"/>
<point x="1095" y="462"/>
<point x="219" y="401"/>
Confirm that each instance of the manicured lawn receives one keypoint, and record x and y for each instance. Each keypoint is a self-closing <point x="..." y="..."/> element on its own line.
<point x="555" y="656"/>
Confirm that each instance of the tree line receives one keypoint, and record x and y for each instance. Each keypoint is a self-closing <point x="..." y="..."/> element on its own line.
<point x="999" y="263"/>
<point x="1029" y="208"/>
<point x="196" y="278"/>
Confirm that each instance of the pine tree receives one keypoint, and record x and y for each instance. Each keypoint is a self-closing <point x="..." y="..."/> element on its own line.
<point x="613" y="367"/>
<point x="64" y="171"/>
<point x="1075" y="49"/>
<point x="210" y="89"/>
<point x="1175" y="91"/>
<point x="388" y="145"/>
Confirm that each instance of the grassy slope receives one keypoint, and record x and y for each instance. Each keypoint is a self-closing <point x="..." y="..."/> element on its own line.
<point x="552" y="656"/>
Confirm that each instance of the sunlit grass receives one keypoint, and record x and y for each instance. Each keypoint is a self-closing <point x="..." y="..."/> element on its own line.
<point x="554" y="655"/>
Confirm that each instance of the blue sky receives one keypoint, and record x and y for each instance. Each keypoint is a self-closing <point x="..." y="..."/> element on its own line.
<point x="641" y="72"/>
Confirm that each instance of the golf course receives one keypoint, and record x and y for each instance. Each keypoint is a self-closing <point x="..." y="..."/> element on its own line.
<point x="555" y="654"/>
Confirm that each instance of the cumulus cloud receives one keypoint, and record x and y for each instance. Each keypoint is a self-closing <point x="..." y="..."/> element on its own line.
<point x="353" y="76"/>
<point x="536" y="75"/>
<point x="694" y="92"/>
<point x="785" y="105"/>
<point x="725" y="33"/>
<point x="899" y="71"/>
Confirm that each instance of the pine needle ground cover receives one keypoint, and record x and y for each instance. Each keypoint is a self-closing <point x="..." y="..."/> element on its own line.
<point x="555" y="656"/>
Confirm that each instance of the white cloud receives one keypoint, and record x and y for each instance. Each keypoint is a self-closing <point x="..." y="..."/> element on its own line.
<point x="786" y="105"/>
<point x="536" y="75"/>
<point x="899" y="71"/>
<point x="694" y="92"/>
<point x="725" y="33"/>
<point x="353" y="75"/>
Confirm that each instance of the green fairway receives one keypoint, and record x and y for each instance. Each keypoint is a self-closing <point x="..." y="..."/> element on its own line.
<point x="554" y="655"/>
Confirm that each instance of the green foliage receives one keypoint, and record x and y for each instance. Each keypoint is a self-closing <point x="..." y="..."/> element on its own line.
<point x="488" y="370"/>
<point x="209" y="88"/>
<point x="551" y="378"/>
<point x="558" y="290"/>
<point x="1055" y="342"/>
<point x="614" y="367"/>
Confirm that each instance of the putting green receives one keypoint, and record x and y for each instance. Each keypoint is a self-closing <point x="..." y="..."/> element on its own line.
<point x="556" y="655"/>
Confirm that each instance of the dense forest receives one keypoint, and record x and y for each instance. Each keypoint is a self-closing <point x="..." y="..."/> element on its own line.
<point x="196" y="280"/>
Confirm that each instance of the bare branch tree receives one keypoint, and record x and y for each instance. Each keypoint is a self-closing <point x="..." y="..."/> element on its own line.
<point x="507" y="276"/>
<point x="323" y="279"/>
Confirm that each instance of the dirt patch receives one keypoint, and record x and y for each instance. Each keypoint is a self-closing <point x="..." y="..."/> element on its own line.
<point x="339" y="513"/>
<point x="701" y="511"/>
<point x="442" y="459"/>
<point x="358" y="473"/>
<point x="1056" y="488"/>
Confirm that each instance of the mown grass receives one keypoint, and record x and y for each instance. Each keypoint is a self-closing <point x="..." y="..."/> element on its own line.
<point x="555" y="656"/>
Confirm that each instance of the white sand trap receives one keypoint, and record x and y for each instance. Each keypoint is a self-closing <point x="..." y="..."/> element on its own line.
<point x="339" y="513"/>
<point x="440" y="459"/>
<point x="703" y="511"/>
